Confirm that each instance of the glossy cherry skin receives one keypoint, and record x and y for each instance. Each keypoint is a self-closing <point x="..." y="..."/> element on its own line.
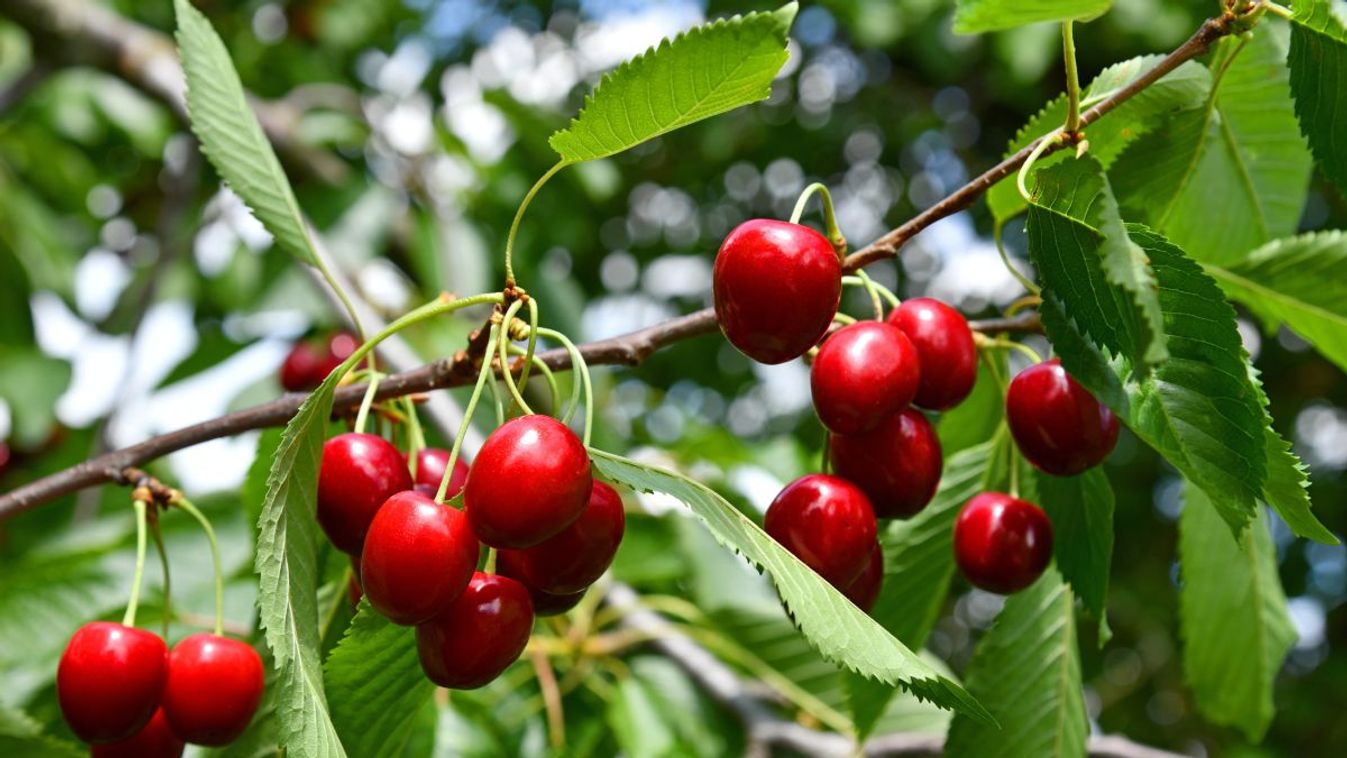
<point x="776" y="287"/>
<point x="155" y="740"/>
<point x="864" y="372"/>
<point x="897" y="465"/>
<point x="110" y="680"/>
<point x="864" y="589"/>
<point x="531" y="479"/>
<point x="479" y="635"/>
<point x="214" y="686"/>
<point x="949" y="361"/>
<point x="418" y="558"/>
<point x="430" y="465"/>
<point x="1002" y="544"/>
<point x="304" y="367"/>
<point x="827" y="522"/>
<point x="547" y="604"/>
<point x="571" y="560"/>
<point x="1056" y="422"/>
<point x="359" y="472"/>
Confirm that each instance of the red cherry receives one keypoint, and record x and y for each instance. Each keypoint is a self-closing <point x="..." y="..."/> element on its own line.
<point x="304" y="368"/>
<point x="430" y="465"/>
<point x="827" y="522"/>
<point x="359" y="472"/>
<point x="570" y="561"/>
<point x="776" y="286"/>
<point x="1002" y="543"/>
<point x="530" y="480"/>
<point x="547" y="604"/>
<point x="418" y="557"/>
<point x="1056" y="422"/>
<point x="110" y="679"/>
<point x="897" y="465"/>
<point x="864" y="589"/>
<point x="949" y="361"/>
<point x="154" y="740"/>
<point x="214" y="686"/>
<point x="864" y="372"/>
<point x="339" y="347"/>
<point x="479" y="635"/>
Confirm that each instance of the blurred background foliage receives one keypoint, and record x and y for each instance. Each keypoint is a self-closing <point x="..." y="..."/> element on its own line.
<point x="136" y="297"/>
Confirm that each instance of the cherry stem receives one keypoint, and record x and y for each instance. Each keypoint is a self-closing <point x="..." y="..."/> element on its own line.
<point x="496" y="399"/>
<point x="186" y="505"/>
<point x="885" y="292"/>
<point x="482" y="376"/>
<point x="532" y="342"/>
<point x="504" y="346"/>
<point x="839" y="242"/>
<point x="321" y="264"/>
<point x="159" y="546"/>
<point x="129" y="618"/>
<point x="844" y="318"/>
<point x="1028" y="301"/>
<point x="1024" y="349"/>
<point x="490" y="566"/>
<point x="546" y="373"/>
<point x="1278" y="10"/>
<point x="577" y="364"/>
<point x="519" y="215"/>
<point x="1014" y="473"/>
<point x="1049" y="140"/>
<point x="870" y="287"/>
<point x="416" y="436"/>
<point x="362" y="417"/>
<point x="1072" y="78"/>
<point x="1024" y="281"/>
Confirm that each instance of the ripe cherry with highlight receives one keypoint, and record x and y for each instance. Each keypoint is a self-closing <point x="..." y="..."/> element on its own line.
<point x="864" y="372"/>
<point x="1059" y="426"/>
<point x="110" y="680"/>
<point x="479" y="635"/>
<point x="1001" y="543"/>
<point x="944" y="342"/>
<point x="827" y="522"/>
<point x="155" y="740"/>
<point x="897" y="465"/>
<point x="570" y="561"/>
<point x="418" y="558"/>
<point x="213" y="689"/>
<point x="359" y="472"/>
<point x="430" y="465"/>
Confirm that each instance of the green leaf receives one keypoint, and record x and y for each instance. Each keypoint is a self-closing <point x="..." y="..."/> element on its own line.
<point x="22" y="737"/>
<point x="1287" y="489"/>
<point x="1027" y="671"/>
<point x="1300" y="282"/>
<point x="1088" y="264"/>
<point x="977" y="16"/>
<point x="231" y="136"/>
<point x="703" y="72"/>
<point x="1081" y="510"/>
<point x="1318" y="63"/>
<point x="287" y="567"/>
<point x="1232" y="616"/>
<point x="375" y="684"/>
<point x="839" y="630"/>
<point x="1183" y="88"/>
<point x="1223" y="179"/>
<point x="30" y="384"/>
<point x="977" y="418"/>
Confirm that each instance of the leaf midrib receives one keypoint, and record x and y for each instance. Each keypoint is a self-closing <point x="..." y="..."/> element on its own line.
<point x="1276" y="295"/>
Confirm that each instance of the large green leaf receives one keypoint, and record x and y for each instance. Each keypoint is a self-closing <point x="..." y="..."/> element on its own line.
<point x="375" y="684"/>
<point x="1088" y="264"/>
<point x="1232" y="616"/>
<point x="1223" y="179"/>
<point x="1300" y="282"/>
<point x="703" y="72"/>
<point x="22" y="737"/>
<point x="1183" y="88"/>
<point x="1287" y="488"/>
<point x="976" y="419"/>
<point x="1027" y="671"/>
<point x="976" y="16"/>
<point x="1081" y="509"/>
<point x="232" y="137"/>
<point x="839" y="630"/>
<point x="1318" y="62"/>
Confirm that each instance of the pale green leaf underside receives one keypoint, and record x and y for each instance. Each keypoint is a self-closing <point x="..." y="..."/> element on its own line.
<point x="1318" y="62"/>
<point x="232" y="137"/>
<point x="1232" y="617"/>
<point x="839" y="630"/>
<point x="976" y="16"/>
<point x="1026" y="670"/>
<point x="1081" y="509"/>
<point x="703" y="72"/>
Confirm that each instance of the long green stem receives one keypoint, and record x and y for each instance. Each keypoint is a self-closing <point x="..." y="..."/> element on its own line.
<point x="519" y="215"/>
<point x="504" y="347"/>
<point x="482" y="377"/>
<point x="532" y="342"/>
<point x="1024" y="281"/>
<point x="546" y="372"/>
<point x="1024" y="349"/>
<point x="874" y="293"/>
<point x="186" y="505"/>
<point x="1072" y="78"/>
<point x="885" y="292"/>
<point x="157" y="534"/>
<point x="129" y="618"/>
<point x="416" y="436"/>
<point x="1279" y="10"/>
<point x="368" y="400"/>
<point x="1049" y="139"/>
<point x="839" y="242"/>
<point x="579" y="365"/>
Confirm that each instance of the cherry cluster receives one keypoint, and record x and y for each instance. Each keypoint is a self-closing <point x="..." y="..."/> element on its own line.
<point x="529" y="494"/>
<point x="121" y="689"/>
<point x="310" y="361"/>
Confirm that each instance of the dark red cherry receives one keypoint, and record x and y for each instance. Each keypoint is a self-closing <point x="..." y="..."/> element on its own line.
<point x="339" y="348"/>
<point x="214" y="686"/>
<point x="359" y="472"/>
<point x="949" y="361"/>
<point x="827" y="522"/>
<point x="1002" y="543"/>
<point x="776" y="287"/>
<point x="430" y="465"/>
<point x="1056" y="422"/>
<point x="530" y="480"/>
<point x="897" y="465"/>
<point x="155" y="740"/>
<point x="110" y="679"/>
<point x="479" y="635"/>
<point x="304" y="367"/>
<point x="547" y="604"/>
<point x="864" y="372"/>
<point x="418" y="557"/>
<point x="570" y="561"/>
<point x="864" y="589"/>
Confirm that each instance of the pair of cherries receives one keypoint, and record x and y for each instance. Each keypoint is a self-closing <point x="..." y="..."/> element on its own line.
<point x="309" y="362"/>
<point x="122" y="690"/>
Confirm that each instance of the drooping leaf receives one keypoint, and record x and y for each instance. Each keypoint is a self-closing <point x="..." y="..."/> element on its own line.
<point x="1223" y="179"/>
<point x="1081" y="510"/>
<point x="375" y="684"/>
<point x="1027" y="670"/>
<point x="977" y="16"/>
<point x="1300" y="282"/>
<point x="1089" y="266"/>
<point x="1232" y="617"/>
<point x="1318" y="62"/>
<point x="1287" y="489"/>
<point x="230" y="134"/>
<point x="1184" y="88"/>
<point x="703" y="72"/>
<point x="839" y="630"/>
